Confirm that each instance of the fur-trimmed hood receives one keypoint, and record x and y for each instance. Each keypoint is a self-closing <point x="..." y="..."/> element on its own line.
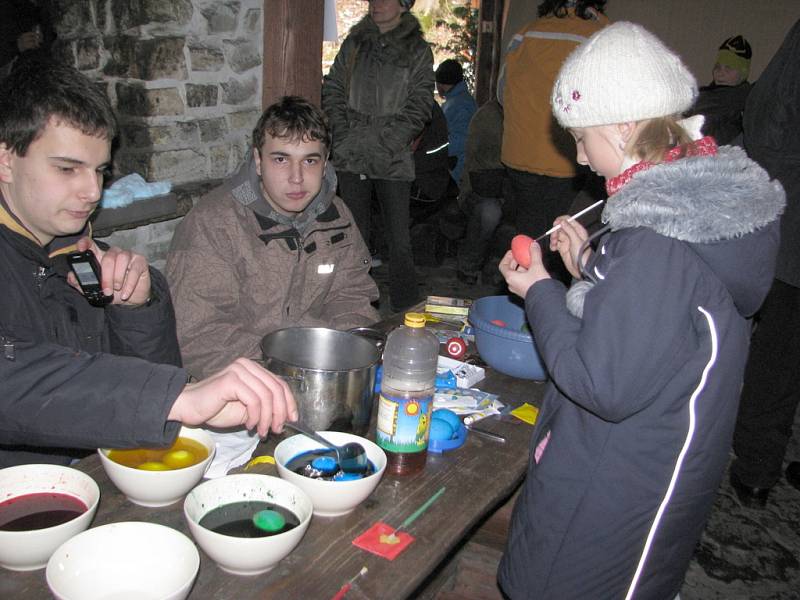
<point x="395" y="43"/>
<point x="720" y="205"/>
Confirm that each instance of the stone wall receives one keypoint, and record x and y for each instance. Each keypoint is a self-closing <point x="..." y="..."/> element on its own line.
<point x="183" y="75"/>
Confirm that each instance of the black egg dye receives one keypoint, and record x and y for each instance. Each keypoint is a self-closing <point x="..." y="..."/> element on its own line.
<point x="321" y="464"/>
<point x="236" y="519"/>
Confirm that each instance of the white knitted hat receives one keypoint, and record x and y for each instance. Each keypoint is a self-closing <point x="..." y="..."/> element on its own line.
<point x="622" y="73"/>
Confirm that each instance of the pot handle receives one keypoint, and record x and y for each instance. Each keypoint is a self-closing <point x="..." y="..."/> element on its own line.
<point x="373" y="335"/>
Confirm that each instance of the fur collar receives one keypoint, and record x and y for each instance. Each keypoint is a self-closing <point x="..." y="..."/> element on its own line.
<point x="699" y="199"/>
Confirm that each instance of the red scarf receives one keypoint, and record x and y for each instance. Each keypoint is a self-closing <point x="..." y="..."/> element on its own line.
<point x="705" y="146"/>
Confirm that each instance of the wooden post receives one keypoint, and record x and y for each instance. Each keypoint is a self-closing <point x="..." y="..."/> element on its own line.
<point x="292" y="49"/>
<point x="490" y="36"/>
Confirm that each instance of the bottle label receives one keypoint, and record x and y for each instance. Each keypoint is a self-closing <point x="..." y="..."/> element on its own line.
<point x="403" y="423"/>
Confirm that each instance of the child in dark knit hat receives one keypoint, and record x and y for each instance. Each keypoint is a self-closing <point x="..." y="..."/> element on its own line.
<point x="722" y="101"/>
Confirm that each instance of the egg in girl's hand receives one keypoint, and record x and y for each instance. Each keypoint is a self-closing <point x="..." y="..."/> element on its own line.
<point x="440" y="430"/>
<point x="521" y="249"/>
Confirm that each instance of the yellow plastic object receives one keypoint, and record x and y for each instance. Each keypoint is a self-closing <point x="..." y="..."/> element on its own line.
<point x="258" y="460"/>
<point x="414" y="320"/>
<point x="526" y="412"/>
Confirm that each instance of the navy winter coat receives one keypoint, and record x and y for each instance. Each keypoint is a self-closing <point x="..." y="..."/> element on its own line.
<point x="645" y="384"/>
<point x="74" y="376"/>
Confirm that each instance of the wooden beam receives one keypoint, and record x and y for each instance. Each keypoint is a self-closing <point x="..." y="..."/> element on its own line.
<point x="292" y="49"/>
<point x="490" y="35"/>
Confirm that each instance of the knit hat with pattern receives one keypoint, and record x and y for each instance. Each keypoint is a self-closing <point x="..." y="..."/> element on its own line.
<point x="622" y="73"/>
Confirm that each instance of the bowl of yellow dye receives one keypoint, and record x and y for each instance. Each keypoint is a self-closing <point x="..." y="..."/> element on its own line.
<point x="160" y="476"/>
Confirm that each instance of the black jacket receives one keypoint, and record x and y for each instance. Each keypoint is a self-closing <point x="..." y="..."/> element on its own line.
<point x="772" y="139"/>
<point x="73" y="376"/>
<point x="378" y="96"/>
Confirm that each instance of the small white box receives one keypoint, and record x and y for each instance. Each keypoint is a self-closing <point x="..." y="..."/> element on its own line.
<point x="466" y="375"/>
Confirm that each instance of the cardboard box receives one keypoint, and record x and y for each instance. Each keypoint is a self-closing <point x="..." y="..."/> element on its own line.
<point x="447" y="306"/>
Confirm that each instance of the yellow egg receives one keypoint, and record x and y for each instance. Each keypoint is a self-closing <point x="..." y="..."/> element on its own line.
<point x="152" y="465"/>
<point x="178" y="459"/>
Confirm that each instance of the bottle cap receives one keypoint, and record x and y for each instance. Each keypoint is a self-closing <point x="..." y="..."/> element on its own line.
<point x="414" y="320"/>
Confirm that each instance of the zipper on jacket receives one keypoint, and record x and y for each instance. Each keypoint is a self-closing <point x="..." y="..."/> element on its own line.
<point x="9" y="350"/>
<point x="40" y="275"/>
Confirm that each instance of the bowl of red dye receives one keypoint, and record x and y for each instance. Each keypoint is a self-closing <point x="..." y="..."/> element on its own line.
<point x="41" y="507"/>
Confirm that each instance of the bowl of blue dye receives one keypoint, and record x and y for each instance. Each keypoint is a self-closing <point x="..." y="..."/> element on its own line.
<point x="503" y="337"/>
<point x="312" y="468"/>
<point x="220" y="514"/>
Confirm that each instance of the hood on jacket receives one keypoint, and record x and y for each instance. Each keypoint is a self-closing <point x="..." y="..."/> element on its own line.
<point x="395" y="42"/>
<point x="245" y="187"/>
<point x="725" y="207"/>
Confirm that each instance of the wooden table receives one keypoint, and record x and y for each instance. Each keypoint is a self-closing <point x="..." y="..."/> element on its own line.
<point x="479" y="476"/>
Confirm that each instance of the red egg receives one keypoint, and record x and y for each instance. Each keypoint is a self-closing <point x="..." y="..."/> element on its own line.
<point x="498" y="322"/>
<point x="521" y="249"/>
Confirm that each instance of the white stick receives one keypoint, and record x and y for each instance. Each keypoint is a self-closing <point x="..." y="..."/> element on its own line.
<point x="572" y="218"/>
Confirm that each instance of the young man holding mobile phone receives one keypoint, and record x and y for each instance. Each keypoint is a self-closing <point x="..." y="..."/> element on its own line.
<point x="77" y="376"/>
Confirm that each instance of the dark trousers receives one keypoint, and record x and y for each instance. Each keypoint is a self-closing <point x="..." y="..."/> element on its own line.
<point x="771" y="389"/>
<point x="481" y="225"/>
<point x="533" y="203"/>
<point x="393" y="198"/>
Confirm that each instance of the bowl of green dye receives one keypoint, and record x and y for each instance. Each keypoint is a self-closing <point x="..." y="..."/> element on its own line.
<point x="220" y="514"/>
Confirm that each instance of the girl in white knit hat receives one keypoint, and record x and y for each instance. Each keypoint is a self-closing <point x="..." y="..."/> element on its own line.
<point x="646" y="350"/>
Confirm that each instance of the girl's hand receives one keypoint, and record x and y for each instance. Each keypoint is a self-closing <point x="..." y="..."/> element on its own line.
<point x="567" y="241"/>
<point x="520" y="279"/>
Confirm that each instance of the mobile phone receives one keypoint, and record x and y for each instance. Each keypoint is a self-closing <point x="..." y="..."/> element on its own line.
<point x="87" y="271"/>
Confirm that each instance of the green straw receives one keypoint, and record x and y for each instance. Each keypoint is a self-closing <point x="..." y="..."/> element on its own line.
<point x="415" y="515"/>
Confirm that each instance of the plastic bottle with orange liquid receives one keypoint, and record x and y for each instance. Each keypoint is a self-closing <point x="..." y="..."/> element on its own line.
<point x="406" y="399"/>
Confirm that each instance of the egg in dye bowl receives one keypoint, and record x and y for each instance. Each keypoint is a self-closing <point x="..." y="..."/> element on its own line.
<point x="41" y="507"/>
<point x="338" y="493"/>
<point x="156" y="477"/>
<point x="220" y="514"/>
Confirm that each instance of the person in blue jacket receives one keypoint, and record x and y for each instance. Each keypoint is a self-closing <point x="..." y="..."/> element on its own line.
<point x="458" y="107"/>
<point x="646" y="350"/>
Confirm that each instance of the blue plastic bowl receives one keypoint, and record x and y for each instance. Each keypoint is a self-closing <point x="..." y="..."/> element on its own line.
<point x="510" y="349"/>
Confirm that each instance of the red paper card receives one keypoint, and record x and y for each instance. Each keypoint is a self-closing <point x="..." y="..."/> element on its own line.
<point x="371" y="541"/>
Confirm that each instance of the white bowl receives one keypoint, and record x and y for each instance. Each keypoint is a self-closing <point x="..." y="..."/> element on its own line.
<point x="238" y="555"/>
<point x="28" y="550"/>
<point x="159" y="488"/>
<point x="331" y="498"/>
<point x="124" y="560"/>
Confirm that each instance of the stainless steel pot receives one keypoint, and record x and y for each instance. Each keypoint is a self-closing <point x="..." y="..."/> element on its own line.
<point x="330" y="372"/>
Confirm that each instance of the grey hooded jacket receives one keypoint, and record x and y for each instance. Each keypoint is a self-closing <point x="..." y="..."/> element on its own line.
<point x="645" y="384"/>
<point x="378" y="97"/>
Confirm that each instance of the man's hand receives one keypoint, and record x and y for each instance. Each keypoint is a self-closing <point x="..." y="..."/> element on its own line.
<point x="29" y="40"/>
<point x="243" y="393"/>
<point x="125" y="274"/>
<point x="520" y="279"/>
